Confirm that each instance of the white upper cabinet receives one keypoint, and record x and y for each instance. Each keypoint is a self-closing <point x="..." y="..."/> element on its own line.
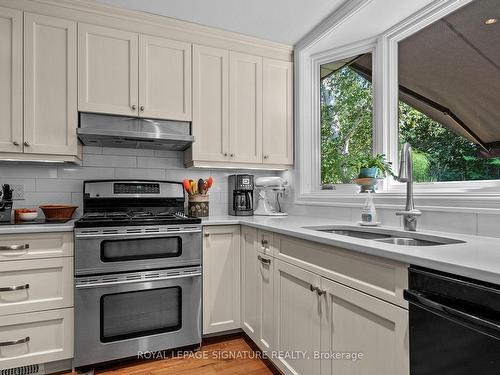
<point x="50" y="85"/>
<point x="245" y="109"/>
<point x="11" y="80"/>
<point x="108" y="70"/>
<point x="164" y="78"/>
<point x="210" y="103"/>
<point x="277" y="112"/>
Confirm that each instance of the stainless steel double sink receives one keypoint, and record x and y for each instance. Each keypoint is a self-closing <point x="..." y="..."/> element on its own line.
<point x="390" y="236"/>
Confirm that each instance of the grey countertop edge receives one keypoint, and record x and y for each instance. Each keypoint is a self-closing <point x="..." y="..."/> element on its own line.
<point x="477" y="258"/>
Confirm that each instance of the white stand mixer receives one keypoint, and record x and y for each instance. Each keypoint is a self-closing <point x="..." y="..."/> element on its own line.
<point x="270" y="192"/>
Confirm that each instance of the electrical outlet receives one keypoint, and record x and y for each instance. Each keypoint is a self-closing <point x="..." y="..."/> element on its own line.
<point x="17" y="191"/>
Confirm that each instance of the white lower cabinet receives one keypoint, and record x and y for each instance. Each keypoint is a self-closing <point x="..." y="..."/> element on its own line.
<point x="221" y="278"/>
<point x="353" y="322"/>
<point x="297" y="319"/>
<point x="37" y="337"/>
<point x="257" y="294"/>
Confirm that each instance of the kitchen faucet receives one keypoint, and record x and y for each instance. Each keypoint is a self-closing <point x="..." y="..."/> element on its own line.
<point x="406" y="175"/>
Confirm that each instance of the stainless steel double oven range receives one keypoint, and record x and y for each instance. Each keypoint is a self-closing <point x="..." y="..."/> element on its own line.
<point x="137" y="271"/>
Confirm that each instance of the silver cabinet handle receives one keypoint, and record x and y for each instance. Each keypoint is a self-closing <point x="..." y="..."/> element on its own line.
<point x="318" y="291"/>
<point x="15" y="143"/>
<point x="15" y="342"/>
<point x="264" y="260"/>
<point x="27" y="144"/>
<point x="264" y="244"/>
<point x="14" y="288"/>
<point x="15" y="247"/>
<point x="134" y="107"/>
<point x="141" y="108"/>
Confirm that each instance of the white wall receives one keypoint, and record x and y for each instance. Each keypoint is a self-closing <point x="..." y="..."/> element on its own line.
<point x="63" y="183"/>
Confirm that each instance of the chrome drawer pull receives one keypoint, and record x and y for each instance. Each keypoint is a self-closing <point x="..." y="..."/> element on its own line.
<point x="264" y="260"/>
<point x="20" y="341"/>
<point x="14" y="288"/>
<point x="15" y="247"/>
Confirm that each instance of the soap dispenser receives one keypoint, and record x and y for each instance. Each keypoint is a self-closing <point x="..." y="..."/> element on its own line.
<point x="369" y="213"/>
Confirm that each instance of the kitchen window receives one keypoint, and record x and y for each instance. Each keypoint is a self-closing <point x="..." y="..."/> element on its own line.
<point x="434" y="81"/>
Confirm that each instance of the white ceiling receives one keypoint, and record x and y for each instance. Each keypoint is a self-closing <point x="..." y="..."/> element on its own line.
<point x="284" y="21"/>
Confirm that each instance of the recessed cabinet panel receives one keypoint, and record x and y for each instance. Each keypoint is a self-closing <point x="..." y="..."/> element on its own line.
<point x="277" y="137"/>
<point x="297" y="318"/>
<point x="245" y="114"/>
<point x="355" y="322"/>
<point x="249" y="281"/>
<point x="50" y="104"/>
<point x="108" y="76"/>
<point x="164" y="78"/>
<point x="11" y="80"/>
<point x="210" y="103"/>
<point x="221" y="278"/>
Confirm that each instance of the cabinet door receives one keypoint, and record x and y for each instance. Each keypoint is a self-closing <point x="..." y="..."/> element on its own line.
<point x="265" y="303"/>
<point x="210" y="103"/>
<point x="277" y="131"/>
<point x="221" y="278"/>
<point x="50" y="85"/>
<point x="245" y="113"/>
<point x="11" y="80"/>
<point x="297" y="319"/>
<point x="164" y="78"/>
<point x="108" y="70"/>
<point x="356" y="322"/>
<point x="249" y="287"/>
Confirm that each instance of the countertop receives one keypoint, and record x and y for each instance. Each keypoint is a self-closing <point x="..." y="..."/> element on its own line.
<point x="477" y="258"/>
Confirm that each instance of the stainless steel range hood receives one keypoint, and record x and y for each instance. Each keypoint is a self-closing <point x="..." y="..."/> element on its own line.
<point x="133" y="132"/>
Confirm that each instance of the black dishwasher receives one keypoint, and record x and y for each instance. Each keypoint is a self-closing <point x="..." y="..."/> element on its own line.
<point x="454" y="324"/>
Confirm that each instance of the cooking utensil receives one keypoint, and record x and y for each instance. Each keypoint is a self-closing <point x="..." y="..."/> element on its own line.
<point x="201" y="188"/>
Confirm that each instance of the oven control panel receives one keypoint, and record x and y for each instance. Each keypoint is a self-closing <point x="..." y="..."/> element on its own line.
<point x="136" y="188"/>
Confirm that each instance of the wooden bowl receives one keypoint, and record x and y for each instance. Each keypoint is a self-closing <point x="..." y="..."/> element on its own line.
<point x="58" y="211"/>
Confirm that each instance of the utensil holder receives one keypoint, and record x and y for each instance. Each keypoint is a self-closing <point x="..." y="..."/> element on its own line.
<point x="198" y="206"/>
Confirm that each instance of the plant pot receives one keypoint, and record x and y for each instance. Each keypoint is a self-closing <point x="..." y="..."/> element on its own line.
<point x="368" y="172"/>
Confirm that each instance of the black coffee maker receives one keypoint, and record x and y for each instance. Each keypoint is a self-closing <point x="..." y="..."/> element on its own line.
<point x="241" y="195"/>
<point x="6" y="204"/>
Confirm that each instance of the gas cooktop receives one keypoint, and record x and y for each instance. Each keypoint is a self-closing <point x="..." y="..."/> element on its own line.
<point x="131" y="202"/>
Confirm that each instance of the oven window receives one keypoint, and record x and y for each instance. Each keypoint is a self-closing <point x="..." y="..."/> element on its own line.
<point x="140" y="248"/>
<point x="140" y="313"/>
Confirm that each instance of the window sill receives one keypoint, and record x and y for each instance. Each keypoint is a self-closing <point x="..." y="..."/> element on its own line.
<point x="425" y="201"/>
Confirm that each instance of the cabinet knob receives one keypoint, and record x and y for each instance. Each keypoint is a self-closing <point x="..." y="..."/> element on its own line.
<point x="225" y="153"/>
<point x="231" y="155"/>
<point x="141" y="108"/>
<point x="266" y="156"/>
<point x="206" y="234"/>
<point x="15" y="143"/>
<point x="134" y="107"/>
<point x="27" y="144"/>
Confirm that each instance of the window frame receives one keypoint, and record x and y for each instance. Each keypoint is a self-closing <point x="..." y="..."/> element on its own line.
<point x="483" y="194"/>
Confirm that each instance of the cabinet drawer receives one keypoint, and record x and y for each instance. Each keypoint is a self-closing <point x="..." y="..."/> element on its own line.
<point x="382" y="278"/>
<point x="35" y="245"/>
<point x="34" y="285"/>
<point x="27" y="339"/>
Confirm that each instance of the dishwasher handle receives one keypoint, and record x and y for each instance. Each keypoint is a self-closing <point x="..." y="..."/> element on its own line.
<point x="472" y="321"/>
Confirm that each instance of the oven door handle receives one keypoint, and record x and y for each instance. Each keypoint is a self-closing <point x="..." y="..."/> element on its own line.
<point x="474" y="322"/>
<point x="136" y="235"/>
<point x="97" y="284"/>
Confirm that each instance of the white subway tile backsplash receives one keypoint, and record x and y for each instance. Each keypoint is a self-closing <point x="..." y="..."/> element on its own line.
<point x="91" y="160"/>
<point x="465" y="223"/>
<point x="64" y="183"/>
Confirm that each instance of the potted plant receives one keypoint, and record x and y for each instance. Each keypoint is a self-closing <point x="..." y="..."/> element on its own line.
<point x="374" y="166"/>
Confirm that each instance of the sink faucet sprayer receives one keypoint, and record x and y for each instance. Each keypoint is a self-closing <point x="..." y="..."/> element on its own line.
<point x="406" y="175"/>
